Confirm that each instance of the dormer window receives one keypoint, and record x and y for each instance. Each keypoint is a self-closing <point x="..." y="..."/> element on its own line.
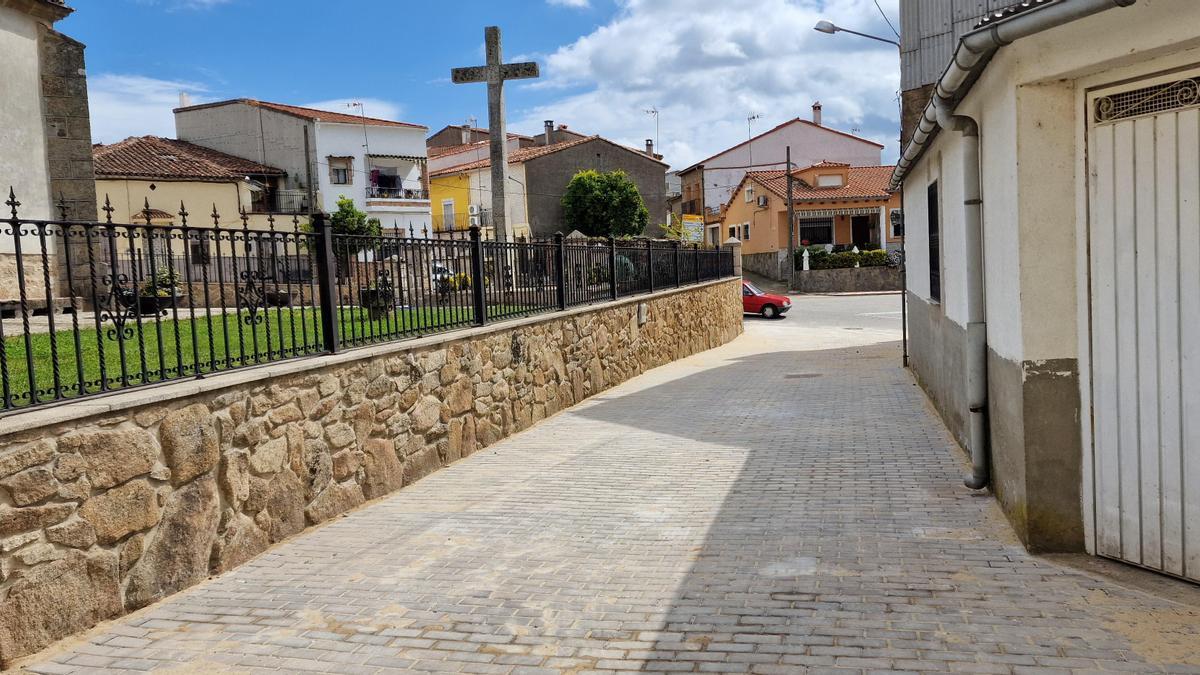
<point x="830" y="180"/>
<point x="749" y="193"/>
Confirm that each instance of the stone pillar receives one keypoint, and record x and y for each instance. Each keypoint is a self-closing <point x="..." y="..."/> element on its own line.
<point x="69" y="149"/>
<point x="735" y="244"/>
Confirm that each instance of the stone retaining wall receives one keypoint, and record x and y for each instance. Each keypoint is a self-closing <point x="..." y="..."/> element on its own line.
<point x="772" y="265"/>
<point x="849" y="280"/>
<point x="103" y="514"/>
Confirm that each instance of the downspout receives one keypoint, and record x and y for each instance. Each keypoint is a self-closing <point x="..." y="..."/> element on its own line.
<point x="977" y="344"/>
<point x="974" y="51"/>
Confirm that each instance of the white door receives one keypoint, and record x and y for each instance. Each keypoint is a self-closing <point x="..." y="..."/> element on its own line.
<point x="1144" y="243"/>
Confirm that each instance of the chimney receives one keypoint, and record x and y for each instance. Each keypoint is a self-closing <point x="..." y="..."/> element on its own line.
<point x="817" y="113"/>
<point x="650" y="146"/>
<point x="466" y="134"/>
<point x="549" y="132"/>
<point x="184" y="99"/>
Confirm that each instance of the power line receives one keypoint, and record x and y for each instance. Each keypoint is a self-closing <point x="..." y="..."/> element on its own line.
<point x="885" y="18"/>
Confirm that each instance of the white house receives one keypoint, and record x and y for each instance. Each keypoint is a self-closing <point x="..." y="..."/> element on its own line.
<point x="709" y="183"/>
<point x="380" y="164"/>
<point x="1052" y="207"/>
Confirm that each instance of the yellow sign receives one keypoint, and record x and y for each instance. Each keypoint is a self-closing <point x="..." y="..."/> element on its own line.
<point x="693" y="228"/>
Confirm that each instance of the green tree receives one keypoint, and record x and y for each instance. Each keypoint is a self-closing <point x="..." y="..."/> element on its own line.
<point x="602" y="204"/>
<point x="349" y="220"/>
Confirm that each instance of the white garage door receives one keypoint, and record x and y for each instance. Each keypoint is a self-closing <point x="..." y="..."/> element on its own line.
<point x="1144" y="213"/>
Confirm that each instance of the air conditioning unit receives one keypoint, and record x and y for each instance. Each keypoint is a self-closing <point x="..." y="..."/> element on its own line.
<point x="473" y="209"/>
<point x="763" y="201"/>
<point x="474" y="220"/>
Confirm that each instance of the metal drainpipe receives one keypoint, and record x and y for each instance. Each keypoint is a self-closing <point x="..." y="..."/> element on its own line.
<point x="977" y="344"/>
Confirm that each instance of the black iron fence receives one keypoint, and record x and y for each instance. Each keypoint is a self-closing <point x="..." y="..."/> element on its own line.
<point x="94" y="307"/>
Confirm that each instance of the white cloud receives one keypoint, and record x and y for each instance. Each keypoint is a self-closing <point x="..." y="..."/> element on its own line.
<point x="371" y="107"/>
<point x="134" y="105"/>
<point x="570" y="3"/>
<point x="707" y="64"/>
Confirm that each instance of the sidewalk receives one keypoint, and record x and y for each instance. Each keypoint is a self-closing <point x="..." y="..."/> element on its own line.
<point x="788" y="503"/>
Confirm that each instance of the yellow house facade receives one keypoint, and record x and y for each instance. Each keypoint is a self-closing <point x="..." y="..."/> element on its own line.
<point x="165" y="174"/>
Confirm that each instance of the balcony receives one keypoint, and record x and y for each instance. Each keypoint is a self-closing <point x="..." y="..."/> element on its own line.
<point x="280" y="201"/>
<point x="397" y="193"/>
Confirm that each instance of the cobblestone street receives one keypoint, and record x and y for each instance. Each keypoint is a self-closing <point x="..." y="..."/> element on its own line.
<point x="787" y="503"/>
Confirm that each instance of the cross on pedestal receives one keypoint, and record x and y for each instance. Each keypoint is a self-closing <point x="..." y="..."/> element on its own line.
<point x="494" y="74"/>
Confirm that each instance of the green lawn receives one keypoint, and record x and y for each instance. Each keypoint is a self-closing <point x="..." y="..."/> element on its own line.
<point x="166" y="349"/>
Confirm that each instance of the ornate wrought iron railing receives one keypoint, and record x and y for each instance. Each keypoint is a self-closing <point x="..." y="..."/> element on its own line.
<point x="88" y="308"/>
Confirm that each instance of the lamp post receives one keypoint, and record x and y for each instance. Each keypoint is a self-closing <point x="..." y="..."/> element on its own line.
<point x="830" y="28"/>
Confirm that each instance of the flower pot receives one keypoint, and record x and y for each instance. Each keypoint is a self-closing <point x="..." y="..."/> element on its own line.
<point x="377" y="301"/>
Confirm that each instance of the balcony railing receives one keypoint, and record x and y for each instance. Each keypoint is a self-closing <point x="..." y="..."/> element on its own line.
<point x="280" y="201"/>
<point x="377" y="192"/>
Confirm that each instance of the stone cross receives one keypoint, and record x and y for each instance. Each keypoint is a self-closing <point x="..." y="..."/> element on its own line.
<point x="494" y="74"/>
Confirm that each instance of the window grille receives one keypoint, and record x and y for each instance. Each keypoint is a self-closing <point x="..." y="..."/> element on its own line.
<point x="1147" y="100"/>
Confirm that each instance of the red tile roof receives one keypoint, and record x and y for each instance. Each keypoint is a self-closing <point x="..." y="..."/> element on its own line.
<point x="167" y="158"/>
<point x="308" y="113"/>
<point x="864" y="182"/>
<point x="438" y="151"/>
<point x="514" y="157"/>
<point x="535" y="151"/>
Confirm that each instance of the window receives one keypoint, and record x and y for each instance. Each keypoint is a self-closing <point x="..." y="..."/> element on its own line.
<point x="745" y="231"/>
<point x="816" y="231"/>
<point x="733" y="231"/>
<point x="749" y="193"/>
<point x="829" y="180"/>
<point x="200" y="253"/>
<point x="339" y="171"/>
<point x="935" y="244"/>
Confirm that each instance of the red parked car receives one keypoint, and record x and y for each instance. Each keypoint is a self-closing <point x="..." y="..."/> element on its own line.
<point x="757" y="301"/>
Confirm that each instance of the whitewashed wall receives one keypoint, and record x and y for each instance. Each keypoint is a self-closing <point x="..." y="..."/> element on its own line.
<point x="809" y="144"/>
<point x="22" y="137"/>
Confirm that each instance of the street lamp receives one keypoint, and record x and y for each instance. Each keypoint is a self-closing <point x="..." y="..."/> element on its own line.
<point x="830" y="28"/>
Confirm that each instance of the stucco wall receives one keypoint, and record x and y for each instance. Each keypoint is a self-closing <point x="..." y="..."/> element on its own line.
<point x="106" y="513"/>
<point x="809" y="144"/>
<point x="23" y="161"/>
<point x="549" y="175"/>
<point x="235" y="129"/>
<point x="1029" y="107"/>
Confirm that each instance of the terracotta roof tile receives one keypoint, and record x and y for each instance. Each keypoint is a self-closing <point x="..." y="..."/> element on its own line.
<point x="864" y="182"/>
<point x="309" y="113"/>
<point x="154" y="157"/>
<point x="516" y="156"/>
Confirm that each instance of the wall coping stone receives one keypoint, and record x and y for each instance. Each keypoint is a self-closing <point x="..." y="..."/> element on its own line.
<point x="18" y="422"/>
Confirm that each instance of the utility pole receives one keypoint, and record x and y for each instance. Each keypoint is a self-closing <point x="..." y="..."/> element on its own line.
<point x="791" y="216"/>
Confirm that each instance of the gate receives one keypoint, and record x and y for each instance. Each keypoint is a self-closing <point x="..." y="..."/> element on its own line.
<point x="1144" y="256"/>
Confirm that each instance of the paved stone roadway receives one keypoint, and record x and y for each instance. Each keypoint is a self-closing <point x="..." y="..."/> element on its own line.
<point x="785" y="504"/>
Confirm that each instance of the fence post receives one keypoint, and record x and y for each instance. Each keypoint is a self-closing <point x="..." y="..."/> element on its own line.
<point x="696" y="261"/>
<point x="612" y="267"/>
<point x="650" y="263"/>
<point x="327" y="283"/>
<point x="677" y="264"/>
<point x="477" y="280"/>
<point x="560" y="262"/>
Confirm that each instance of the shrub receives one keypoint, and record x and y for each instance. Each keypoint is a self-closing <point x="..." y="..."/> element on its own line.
<point x="876" y="258"/>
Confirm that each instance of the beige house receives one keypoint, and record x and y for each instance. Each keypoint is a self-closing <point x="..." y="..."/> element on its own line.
<point x="165" y="173"/>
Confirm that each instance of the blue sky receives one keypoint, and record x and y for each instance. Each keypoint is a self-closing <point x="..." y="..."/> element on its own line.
<point x="705" y="64"/>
